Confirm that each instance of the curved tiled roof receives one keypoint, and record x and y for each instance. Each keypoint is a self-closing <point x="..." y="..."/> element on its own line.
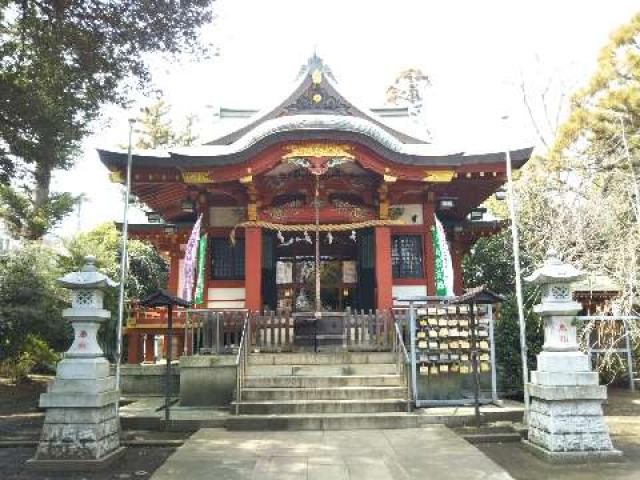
<point x="301" y="116"/>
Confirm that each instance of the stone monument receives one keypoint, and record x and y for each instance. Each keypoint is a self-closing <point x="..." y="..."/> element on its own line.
<point x="81" y="427"/>
<point x="565" y="419"/>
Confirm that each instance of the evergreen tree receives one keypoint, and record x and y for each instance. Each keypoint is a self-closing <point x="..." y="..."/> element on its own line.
<point x="607" y="105"/>
<point x="60" y="61"/>
<point x="154" y="126"/>
<point x="188" y="136"/>
<point x="408" y="88"/>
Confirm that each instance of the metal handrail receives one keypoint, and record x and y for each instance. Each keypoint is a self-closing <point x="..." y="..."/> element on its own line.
<point x="402" y="354"/>
<point x="241" y="362"/>
<point x="400" y="342"/>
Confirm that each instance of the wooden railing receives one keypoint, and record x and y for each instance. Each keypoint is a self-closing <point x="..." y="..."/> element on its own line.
<point x="361" y="331"/>
<point x="209" y="331"/>
<point x="216" y="332"/>
<point x="273" y="331"/>
<point x="367" y="331"/>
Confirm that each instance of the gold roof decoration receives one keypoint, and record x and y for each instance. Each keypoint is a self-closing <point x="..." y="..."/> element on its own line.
<point x="115" y="176"/>
<point x="196" y="177"/>
<point x="438" y="176"/>
<point x="318" y="150"/>
<point x="316" y="76"/>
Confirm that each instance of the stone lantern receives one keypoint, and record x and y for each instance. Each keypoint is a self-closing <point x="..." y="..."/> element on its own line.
<point x="565" y="419"/>
<point x="81" y="428"/>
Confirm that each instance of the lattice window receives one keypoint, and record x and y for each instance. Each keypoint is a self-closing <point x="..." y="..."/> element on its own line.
<point x="406" y="256"/>
<point x="84" y="298"/>
<point x="227" y="260"/>
<point x="560" y="292"/>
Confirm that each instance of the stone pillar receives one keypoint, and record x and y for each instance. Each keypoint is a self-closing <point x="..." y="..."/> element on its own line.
<point x="384" y="281"/>
<point x="81" y="427"/>
<point x="566" y="423"/>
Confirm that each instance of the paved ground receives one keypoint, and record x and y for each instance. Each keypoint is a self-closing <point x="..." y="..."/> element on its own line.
<point x="430" y="452"/>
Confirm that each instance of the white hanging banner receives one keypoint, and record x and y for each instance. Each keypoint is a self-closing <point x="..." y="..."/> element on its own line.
<point x="447" y="264"/>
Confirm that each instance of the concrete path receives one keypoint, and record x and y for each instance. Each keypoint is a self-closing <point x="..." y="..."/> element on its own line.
<point x="421" y="453"/>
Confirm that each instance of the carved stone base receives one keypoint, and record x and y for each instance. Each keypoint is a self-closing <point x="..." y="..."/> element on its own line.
<point x="568" y="419"/>
<point x="66" y="465"/>
<point x="601" y="456"/>
<point x="81" y="425"/>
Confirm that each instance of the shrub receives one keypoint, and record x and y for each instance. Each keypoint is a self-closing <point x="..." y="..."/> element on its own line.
<point x="36" y="355"/>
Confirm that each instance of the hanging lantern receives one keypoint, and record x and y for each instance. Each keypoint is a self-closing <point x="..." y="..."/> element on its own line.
<point x="170" y="229"/>
<point x="188" y="206"/>
<point x="477" y="213"/>
<point x="446" y="203"/>
<point x="153" y="217"/>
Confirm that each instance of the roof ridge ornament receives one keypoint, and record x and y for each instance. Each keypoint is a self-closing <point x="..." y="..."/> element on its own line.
<point x="316" y="63"/>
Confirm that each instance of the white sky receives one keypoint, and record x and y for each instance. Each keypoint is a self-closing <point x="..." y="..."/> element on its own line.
<point x="476" y="53"/>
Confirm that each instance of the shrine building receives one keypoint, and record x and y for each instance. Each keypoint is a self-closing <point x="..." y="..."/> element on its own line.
<point x="373" y="186"/>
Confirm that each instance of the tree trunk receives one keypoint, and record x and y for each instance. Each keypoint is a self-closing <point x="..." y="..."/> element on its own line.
<point x="42" y="176"/>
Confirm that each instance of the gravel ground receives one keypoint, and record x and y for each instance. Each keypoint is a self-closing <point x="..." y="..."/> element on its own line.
<point x="623" y="417"/>
<point x="21" y="419"/>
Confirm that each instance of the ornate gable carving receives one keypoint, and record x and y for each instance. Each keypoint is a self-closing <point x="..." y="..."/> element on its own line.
<point x="316" y="98"/>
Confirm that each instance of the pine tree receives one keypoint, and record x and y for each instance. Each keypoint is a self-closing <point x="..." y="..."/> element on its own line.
<point x="154" y="126"/>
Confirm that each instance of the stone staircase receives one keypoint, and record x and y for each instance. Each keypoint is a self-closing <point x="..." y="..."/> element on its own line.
<point x="322" y="391"/>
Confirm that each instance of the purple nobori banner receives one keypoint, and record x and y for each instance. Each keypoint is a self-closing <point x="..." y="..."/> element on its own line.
<point x="190" y="261"/>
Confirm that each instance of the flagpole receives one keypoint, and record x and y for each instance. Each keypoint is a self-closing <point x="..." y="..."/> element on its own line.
<point x="124" y="260"/>
<point x="516" y="265"/>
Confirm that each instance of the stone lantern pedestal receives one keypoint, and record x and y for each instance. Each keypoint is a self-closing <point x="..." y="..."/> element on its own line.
<point x="566" y="423"/>
<point x="81" y="427"/>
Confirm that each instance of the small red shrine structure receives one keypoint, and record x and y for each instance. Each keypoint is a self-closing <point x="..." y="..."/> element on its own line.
<point x="375" y="186"/>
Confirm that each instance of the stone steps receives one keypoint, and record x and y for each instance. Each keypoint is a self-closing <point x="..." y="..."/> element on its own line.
<point x="387" y="420"/>
<point x="323" y="370"/>
<point x="330" y="390"/>
<point x="309" y="381"/>
<point x="282" y="407"/>
<point x="332" y="358"/>
<point x="326" y="393"/>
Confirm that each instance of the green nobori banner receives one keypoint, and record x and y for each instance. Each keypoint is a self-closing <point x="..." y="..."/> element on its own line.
<point x="442" y="260"/>
<point x="441" y="290"/>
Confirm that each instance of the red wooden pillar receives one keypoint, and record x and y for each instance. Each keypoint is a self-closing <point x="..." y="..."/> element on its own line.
<point x="384" y="281"/>
<point x="428" y="210"/>
<point x="133" y="348"/>
<point x="204" y="209"/>
<point x="456" y="261"/>
<point x="149" y="354"/>
<point x="180" y="342"/>
<point x="253" y="268"/>
<point x="174" y="273"/>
